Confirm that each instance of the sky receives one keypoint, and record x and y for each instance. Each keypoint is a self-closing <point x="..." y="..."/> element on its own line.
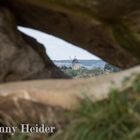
<point x="58" y="49"/>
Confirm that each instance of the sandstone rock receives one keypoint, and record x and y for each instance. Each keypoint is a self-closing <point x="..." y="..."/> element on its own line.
<point x="22" y="57"/>
<point x="65" y="93"/>
<point x="28" y="112"/>
<point x="109" y="29"/>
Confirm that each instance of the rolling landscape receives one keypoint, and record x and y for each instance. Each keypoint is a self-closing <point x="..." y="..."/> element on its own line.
<point x="89" y="64"/>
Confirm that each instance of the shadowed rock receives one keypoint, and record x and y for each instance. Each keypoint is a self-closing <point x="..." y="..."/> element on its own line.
<point x="22" y="57"/>
<point x="109" y="29"/>
<point x="28" y="112"/>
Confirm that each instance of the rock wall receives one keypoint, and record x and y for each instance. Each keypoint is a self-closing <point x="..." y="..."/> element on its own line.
<point x="108" y="29"/>
<point x="22" y="57"/>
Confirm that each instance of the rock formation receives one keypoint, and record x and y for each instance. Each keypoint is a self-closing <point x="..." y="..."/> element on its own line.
<point x="67" y="93"/>
<point x="109" y="29"/>
<point x="22" y="57"/>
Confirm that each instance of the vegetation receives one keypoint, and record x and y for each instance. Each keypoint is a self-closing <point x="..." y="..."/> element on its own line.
<point x="117" y="118"/>
<point x="84" y="72"/>
<point x="111" y="68"/>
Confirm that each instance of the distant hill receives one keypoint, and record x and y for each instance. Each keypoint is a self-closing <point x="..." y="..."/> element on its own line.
<point x="85" y="63"/>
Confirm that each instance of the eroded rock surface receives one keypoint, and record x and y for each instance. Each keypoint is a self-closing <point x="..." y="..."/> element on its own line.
<point x="109" y="29"/>
<point x="22" y="57"/>
<point x="68" y="93"/>
<point x="28" y="112"/>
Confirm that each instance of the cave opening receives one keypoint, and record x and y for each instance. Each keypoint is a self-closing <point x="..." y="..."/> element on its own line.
<point x="70" y="59"/>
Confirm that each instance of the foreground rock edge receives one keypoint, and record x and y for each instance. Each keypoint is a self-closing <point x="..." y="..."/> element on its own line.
<point x="66" y="93"/>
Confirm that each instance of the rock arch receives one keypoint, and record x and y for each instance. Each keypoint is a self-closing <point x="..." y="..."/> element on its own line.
<point x="113" y="36"/>
<point x="22" y="57"/>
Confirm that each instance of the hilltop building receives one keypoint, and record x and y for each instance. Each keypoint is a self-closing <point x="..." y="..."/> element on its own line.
<point x="76" y="64"/>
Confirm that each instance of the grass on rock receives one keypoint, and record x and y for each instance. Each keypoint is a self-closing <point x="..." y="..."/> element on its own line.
<point x="115" y="118"/>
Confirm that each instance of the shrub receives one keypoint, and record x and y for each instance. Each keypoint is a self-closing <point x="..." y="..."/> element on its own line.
<point x="116" y="118"/>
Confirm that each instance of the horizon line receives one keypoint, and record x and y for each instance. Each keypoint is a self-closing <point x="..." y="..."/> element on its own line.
<point x="72" y="59"/>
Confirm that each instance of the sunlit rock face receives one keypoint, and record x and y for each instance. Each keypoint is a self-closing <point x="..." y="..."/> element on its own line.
<point x="107" y="28"/>
<point x="21" y="57"/>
